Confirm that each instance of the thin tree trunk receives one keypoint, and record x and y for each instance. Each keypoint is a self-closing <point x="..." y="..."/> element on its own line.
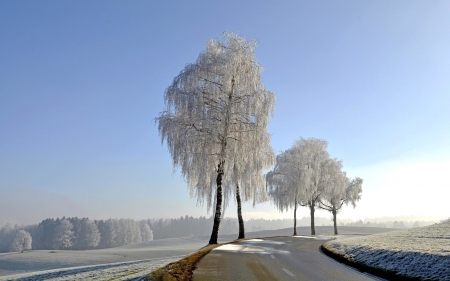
<point x="218" y="212"/>
<point x="220" y="172"/>
<point x="311" y="208"/>
<point x="241" y="221"/>
<point x="334" y="221"/>
<point x="295" y="217"/>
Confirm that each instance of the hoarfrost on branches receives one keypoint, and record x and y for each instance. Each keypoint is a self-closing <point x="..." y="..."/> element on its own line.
<point x="299" y="177"/>
<point x="89" y="236"/>
<point x="339" y="190"/>
<point x="21" y="242"/>
<point x="146" y="232"/>
<point x="63" y="235"/>
<point x="214" y="109"/>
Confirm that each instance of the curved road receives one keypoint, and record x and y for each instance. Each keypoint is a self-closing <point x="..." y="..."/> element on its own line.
<point x="274" y="258"/>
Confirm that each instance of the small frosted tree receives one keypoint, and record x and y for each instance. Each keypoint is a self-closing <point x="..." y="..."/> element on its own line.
<point x="339" y="190"/>
<point x="146" y="232"/>
<point x="284" y="185"/>
<point x="64" y="236"/>
<point x="212" y="107"/>
<point x="315" y="160"/>
<point x="22" y="241"/>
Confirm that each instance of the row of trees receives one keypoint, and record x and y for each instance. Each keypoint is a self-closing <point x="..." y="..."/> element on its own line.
<point x="215" y="126"/>
<point x="305" y="175"/>
<point x="74" y="234"/>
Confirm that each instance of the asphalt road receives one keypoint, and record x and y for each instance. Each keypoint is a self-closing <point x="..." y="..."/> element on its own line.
<point x="275" y="258"/>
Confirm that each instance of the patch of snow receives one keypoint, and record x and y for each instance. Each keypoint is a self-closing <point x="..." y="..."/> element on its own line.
<point x="263" y="241"/>
<point x="319" y="237"/>
<point x="254" y="240"/>
<point x="420" y="252"/>
<point x="238" y="248"/>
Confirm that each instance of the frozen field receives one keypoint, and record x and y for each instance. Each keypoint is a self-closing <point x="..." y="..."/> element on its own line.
<point x="150" y="252"/>
<point x="134" y="270"/>
<point x="420" y="252"/>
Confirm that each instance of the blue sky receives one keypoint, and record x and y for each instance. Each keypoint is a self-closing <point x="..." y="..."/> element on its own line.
<point x="81" y="83"/>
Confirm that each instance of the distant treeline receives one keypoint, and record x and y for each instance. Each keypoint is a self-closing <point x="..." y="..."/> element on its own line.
<point x="190" y="226"/>
<point x="74" y="234"/>
<point x="390" y="224"/>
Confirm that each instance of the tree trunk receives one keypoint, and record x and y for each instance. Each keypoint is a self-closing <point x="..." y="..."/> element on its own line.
<point x="218" y="212"/>
<point x="220" y="172"/>
<point x="295" y="218"/>
<point x="241" y="221"/>
<point x="334" y="221"/>
<point x="311" y="208"/>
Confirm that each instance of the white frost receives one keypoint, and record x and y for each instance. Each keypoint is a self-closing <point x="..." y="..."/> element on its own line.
<point x="420" y="252"/>
<point x="113" y="271"/>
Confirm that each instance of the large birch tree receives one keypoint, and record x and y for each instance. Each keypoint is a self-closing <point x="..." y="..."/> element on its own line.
<point x="213" y="108"/>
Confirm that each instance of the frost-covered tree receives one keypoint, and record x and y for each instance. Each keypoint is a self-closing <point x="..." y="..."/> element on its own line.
<point x="247" y="175"/>
<point x="213" y="107"/>
<point x="7" y="234"/>
<point x="284" y="185"/>
<point x="300" y="176"/>
<point x="64" y="236"/>
<point x="146" y="232"/>
<point x="22" y="241"/>
<point x="89" y="236"/>
<point x="109" y="234"/>
<point x="339" y="190"/>
<point x="316" y="161"/>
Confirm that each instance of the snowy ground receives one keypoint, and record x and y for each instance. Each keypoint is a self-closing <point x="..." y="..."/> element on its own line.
<point x="134" y="270"/>
<point x="34" y="261"/>
<point x="420" y="252"/>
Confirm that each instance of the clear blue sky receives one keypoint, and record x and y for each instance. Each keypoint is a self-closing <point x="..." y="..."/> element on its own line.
<point x="82" y="81"/>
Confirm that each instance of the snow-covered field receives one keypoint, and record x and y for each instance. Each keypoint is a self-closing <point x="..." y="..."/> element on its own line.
<point x="134" y="270"/>
<point x="112" y="262"/>
<point x="420" y="252"/>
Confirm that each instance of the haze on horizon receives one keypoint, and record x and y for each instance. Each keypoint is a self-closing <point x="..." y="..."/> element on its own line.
<point x="81" y="84"/>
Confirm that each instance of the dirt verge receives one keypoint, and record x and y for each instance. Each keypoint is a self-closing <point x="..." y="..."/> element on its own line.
<point x="183" y="269"/>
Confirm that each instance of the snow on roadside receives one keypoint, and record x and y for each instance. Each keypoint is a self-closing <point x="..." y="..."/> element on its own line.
<point x="420" y="252"/>
<point x="133" y="270"/>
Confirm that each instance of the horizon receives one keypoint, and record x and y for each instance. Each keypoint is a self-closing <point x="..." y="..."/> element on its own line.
<point x="82" y="84"/>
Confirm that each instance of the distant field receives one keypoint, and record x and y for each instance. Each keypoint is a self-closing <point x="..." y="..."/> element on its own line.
<point x="33" y="261"/>
<point x="422" y="253"/>
<point x="14" y="263"/>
